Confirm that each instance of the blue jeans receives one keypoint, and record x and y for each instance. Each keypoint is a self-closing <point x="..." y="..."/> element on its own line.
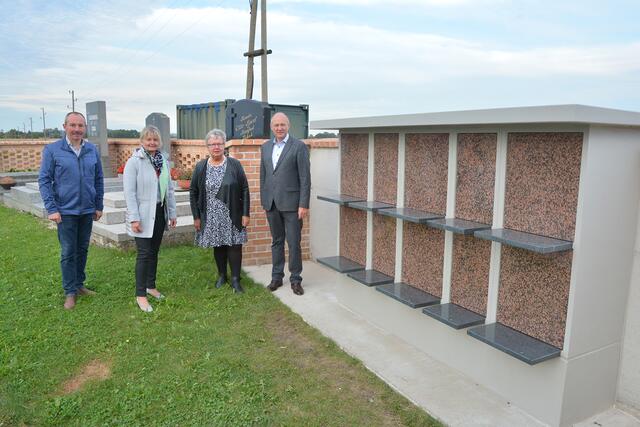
<point x="74" y="233"/>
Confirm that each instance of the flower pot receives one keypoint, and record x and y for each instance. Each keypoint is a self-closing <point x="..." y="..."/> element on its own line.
<point x="184" y="183"/>
<point x="7" y="182"/>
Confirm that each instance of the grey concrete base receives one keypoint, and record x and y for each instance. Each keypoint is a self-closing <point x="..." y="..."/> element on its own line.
<point x="361" y="321"/>
<point x="110" y="231"/>
<point x="386" y="337"/>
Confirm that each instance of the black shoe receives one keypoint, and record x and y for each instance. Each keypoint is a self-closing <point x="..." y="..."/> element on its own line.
<point x="275" y="284"/>
<point x="221" y="281"/>
<point x="297" y="288"/>
<point x="235" y="284"/>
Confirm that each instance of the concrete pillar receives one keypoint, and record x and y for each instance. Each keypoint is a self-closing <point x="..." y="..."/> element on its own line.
<point x="97" y="132"/>
<point x="161" y="121"/>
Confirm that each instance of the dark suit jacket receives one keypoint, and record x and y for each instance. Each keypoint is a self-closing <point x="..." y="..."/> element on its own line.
<point x="289" y="185"/>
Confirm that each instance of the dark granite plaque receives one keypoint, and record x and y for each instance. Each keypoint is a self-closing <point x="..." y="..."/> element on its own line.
<point x="370" y="277"/>
<point x="247" y="119"/>
<point x="340" y="199"/>
<point x="530" y="242"/>
<point x="409" y="214"/>
<point x="340" y="264"/>
<point x="369" y="206"/>
<point x="518" y="345"/>
<point x="406" y="294"/>
<point x="453" y="315"/>
<point x="456" y="225"/>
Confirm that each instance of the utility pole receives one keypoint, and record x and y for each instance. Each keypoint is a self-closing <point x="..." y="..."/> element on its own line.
<point x="263" y="45"/>
<point x="263" y="52"/>
<point x="73" y="100"/>
<point x="44" y="123"/>
<point x="31" y="124"/>
<point x="248" y="54"/>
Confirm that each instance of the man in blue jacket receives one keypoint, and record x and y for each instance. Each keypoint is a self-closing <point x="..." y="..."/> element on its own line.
<point x="72" y="189"/>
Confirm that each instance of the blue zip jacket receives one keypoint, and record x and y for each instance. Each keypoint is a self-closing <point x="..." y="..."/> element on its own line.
<point x="70" y="184"/>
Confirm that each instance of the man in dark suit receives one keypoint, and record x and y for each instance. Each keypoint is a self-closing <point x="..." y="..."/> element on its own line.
<point x="285" y="187"/>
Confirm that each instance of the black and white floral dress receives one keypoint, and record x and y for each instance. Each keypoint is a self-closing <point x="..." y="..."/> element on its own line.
<point x="218" y="229"/>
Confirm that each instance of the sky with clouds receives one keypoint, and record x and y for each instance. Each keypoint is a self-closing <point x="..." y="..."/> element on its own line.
<point x="345" y="58"/>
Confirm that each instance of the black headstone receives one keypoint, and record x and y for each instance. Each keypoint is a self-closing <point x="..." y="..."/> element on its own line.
<point x="248" y="119"/>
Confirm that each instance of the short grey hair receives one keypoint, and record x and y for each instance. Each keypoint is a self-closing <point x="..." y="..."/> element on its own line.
<point x="71" y="113"/>
<point x="215" y="134"/>
<point x="150" y="129"/>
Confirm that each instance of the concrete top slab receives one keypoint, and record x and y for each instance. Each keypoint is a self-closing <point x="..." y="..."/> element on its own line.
<point x="573" y="113"/>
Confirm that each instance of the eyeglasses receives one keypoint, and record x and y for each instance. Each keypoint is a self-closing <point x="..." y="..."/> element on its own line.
<point x="216" y="145"/>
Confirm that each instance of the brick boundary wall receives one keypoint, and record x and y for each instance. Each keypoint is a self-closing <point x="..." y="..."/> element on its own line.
<point x="26" y="154"/>
<point x="21" y="154"/>
<point x="257" y="251"/>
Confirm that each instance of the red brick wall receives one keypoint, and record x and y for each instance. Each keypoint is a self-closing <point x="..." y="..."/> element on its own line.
<point x="23" y="154"/>
<point x="258" y="248"/>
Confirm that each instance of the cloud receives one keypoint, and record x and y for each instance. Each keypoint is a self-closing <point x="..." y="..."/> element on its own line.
<point x="396" y="3"/>
<point x="156" y="59"/>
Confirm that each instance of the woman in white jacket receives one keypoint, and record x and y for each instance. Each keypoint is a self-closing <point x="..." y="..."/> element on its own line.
<point x="151" y="209"/>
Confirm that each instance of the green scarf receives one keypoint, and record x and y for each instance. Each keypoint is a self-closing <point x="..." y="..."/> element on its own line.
<point x="163" y="180"/>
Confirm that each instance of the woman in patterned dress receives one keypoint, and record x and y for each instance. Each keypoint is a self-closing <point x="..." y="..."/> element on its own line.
<point x="219" y="196"/>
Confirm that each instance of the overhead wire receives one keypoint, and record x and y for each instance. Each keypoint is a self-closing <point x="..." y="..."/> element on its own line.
<point x="124" y="61"/>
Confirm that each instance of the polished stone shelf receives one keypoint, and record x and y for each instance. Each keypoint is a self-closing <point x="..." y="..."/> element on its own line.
<point x="409" y="214"/>
<point x="453" y="315"/>
<point x="340" y="264"/>
<point x="370" y="277"/>
<point x="456" y="225"/>
<point x="528" y="241"/>
<point x="341" y="199"/>
<point x="369" y="206"/>
<point x="407" y="294"/>
<point x="523" y="347"/>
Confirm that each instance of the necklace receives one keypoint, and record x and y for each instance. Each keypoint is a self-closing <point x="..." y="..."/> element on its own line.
<point x="216" y="164"/>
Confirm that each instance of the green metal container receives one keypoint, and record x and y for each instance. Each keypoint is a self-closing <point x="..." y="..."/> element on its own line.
<point x="298" y="117"/>
<point x="194" y="121"/>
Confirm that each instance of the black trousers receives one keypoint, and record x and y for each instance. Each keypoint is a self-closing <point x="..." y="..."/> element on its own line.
<point x="230" y="254"/>
<point x="147" y="259"/>
<point x="285" y="226"/>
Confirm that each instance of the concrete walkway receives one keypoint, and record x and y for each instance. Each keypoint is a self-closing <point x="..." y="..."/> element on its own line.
<point x="334" y="304"/>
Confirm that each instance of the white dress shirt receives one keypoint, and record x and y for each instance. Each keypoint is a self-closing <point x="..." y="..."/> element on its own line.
<point x="278" y="147"/>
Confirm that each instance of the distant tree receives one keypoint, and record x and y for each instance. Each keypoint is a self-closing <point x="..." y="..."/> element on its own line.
<point x="123" y="133"/>
<point x="323" y="135"/>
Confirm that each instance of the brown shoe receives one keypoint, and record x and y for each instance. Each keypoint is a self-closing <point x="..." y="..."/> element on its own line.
<point x="69" y="302"/>
<point x="86" y="291"/>
<point x="297" y="288"/>
<point x="275" y="284"/>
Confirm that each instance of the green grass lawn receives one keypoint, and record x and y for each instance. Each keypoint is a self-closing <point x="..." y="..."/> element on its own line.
<point x="203" y="357"/>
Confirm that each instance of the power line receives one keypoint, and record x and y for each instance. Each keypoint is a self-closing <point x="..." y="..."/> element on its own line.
<point x="153" y="53"/>
<point x="124" y="60"/>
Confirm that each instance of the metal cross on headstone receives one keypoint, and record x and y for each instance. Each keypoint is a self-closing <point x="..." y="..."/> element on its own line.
<point x="263" y="51"/>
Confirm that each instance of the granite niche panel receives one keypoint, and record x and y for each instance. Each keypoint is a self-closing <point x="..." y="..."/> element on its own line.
<point x="534" y="293"/>
<point x="422" y="257"/>
<point x="354" y="161"/>
<point x="476" y="171"/>
<point x="353" y="234"/>
<point x="543" y="171"/>
<point x="470" y="273"/>
<point x="426" y="168"/>
<point x="384" y="244"/>
<point x="385" y="167"/>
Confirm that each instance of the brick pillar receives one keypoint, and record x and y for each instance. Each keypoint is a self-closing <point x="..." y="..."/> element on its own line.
<point x="257" y="251"/>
